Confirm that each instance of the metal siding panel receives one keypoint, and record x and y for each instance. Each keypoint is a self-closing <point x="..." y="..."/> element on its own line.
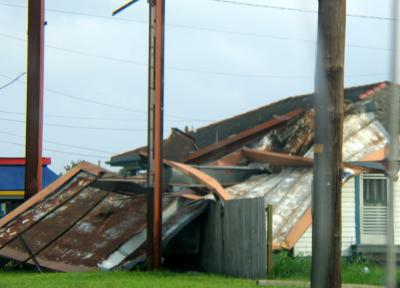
<point x="244" y="238"/>
<point x="211" y="248"/>
<point x="234" y="244"/>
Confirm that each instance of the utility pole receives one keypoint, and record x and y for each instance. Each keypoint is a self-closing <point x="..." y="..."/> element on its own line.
<point x="155" y="129"/>
<point x="328" y="165"/>
<point x="155" y="136"/>
<point x="34" y="106"/>
<point x="393" y="156"/>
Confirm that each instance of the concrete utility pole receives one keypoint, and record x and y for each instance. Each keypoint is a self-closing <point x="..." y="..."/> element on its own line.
<point x="328" y="166"/>
<point x="34" y="106"/>
<point x="155" y="129"/>
<point x="393" y="120"/>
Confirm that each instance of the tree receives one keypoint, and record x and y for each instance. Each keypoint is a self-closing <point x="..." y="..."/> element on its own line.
<point x="72" y="164"/>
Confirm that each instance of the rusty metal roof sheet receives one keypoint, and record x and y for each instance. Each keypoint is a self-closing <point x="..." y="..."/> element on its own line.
<point x="79" y="227"/>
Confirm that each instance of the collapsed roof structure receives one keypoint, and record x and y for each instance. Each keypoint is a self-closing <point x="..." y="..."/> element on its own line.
<point x="85" y="222"/>
<point x="90" y="219"/>
<point x="279" y="139"/>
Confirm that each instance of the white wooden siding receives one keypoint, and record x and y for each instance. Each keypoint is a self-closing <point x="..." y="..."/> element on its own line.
<point x="303" y="246"/>
<point x="397" y="213"/>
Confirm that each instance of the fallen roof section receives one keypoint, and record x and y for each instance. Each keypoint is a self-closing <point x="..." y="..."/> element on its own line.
<point x="86" y="223"/>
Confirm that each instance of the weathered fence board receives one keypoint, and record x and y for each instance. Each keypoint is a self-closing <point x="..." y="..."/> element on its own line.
<point x="234" y="238"/>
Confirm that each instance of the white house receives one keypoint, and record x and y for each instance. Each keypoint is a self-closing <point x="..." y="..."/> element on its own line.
<point x="364" y="216"/>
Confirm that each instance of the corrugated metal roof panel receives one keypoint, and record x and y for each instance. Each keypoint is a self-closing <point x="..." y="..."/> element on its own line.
<point x="289" y="191"/>
<point x="78" y="227"/>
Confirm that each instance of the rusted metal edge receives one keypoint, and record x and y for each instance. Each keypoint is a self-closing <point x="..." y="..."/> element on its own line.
<point x="84" y="166"/>
<point x="372" y="91"/>
<point x="277" y="159"/>
<point x="207" y="152"/>
<point x="203" y="178"/>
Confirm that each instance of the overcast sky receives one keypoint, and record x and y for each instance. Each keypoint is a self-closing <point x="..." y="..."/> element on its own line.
<point x="221" y="59"/>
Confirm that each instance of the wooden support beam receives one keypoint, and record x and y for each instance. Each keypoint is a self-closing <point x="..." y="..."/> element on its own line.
<point x="34" y="106"/>
<point x="234" y="142"/>
<point x="328" y="166"/>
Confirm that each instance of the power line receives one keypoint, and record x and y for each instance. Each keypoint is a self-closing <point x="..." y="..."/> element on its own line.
<point x="220" y="1"/>
<point x="217" y="73"/>
<point x="79" y="13"/>
<point x="12" y="81"/>
<point x="109" y="105"/>
<point x="79" y="127"/>
<point x="298" y="9"/>
<point x="81" y="52"/>
<point x="76" y="117"/>
<point x="61" y="144"/>
<point x="144" y="64"/>
<point x="258" y="35"/>
<point x="59" y="151"/>
<point x="199" y="28"/>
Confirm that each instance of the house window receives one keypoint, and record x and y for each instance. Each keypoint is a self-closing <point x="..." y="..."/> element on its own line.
<point x="373" y="209"/>
<point x="374" y="190"/>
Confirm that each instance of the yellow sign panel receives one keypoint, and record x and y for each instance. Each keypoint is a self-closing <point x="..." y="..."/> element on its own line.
<point x="12" y="194"/>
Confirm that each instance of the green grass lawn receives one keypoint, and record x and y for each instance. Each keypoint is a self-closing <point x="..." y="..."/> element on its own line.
<point x="353" y="270"/>
<point x="285" y="268"/>
<point x="118" y="279"/>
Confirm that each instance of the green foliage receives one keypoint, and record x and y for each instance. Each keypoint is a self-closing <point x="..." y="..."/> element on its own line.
<point x="72" y="164"/>
<point x="355" y="269"/>
<point x="287" y="267"/>
<point x="363" y="273"/>
<point x="124" y="172"/>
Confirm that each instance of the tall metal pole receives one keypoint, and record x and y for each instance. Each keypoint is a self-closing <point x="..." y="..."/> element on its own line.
<point x="155" y="136"/>
<point x="34" y="106"/>
<point x="394" y="147"/>
<point x="328" y="169"/>
<point x="155" y="129"/>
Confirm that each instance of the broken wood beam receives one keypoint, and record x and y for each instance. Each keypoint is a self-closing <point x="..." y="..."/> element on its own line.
<point x="232" y="143"/>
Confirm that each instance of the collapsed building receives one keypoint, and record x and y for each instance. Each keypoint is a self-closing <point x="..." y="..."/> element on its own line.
<point x="217" y="181"/>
